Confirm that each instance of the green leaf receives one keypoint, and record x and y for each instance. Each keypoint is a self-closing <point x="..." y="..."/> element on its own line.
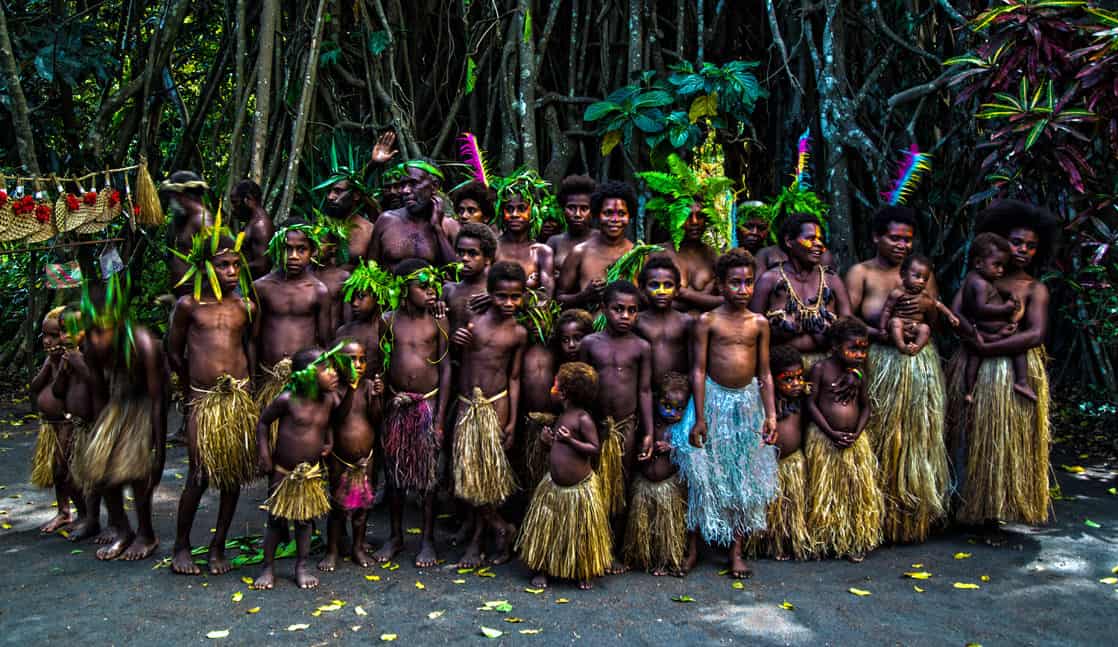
<point x="703" y="106"/>
<point x="471" y="74"/>
<point x="596" y="111"/>
<point x="330" y="55"/>
<point x="648" y="123"/>
<point x="653" y="99"/>
<point x="378" y="42"/>
<point x="660" y="182"/>
<point x="610" y="141"/>
<point x="683" y="598"/>
<point x="1035" y="133"/>
<point x="527" y="26"/>
<point x="214" y="284"/>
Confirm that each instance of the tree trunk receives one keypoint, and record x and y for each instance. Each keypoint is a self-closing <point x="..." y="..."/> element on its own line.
<point x="269" y="17"/>
<point x="526" y="98"/>
<point x="25" y="139"/>
<point x="299" y="130"/>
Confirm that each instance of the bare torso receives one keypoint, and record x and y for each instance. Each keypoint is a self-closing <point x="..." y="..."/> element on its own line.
<point x="732" y="346"/>
<point x="487" y="363"/>
<point x="618" y="361"/>
<point x="414" y="361"/>
<point x="669" y="336"/>
<point x="568" y="466"/>
<point x="355" y="422"/>
<point x="289" y="313"/>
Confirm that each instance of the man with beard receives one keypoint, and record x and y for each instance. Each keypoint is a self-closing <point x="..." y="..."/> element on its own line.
<point x="415" y="230"/>
<point x="183" y="191"/>
<point x="347" y="198"/>
<point x="247" y="200"/>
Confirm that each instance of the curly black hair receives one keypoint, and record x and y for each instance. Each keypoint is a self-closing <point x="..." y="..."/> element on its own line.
<point x="893" y="214"/>
<point x="620" y="286"/>
<point x="584" y="319"/>
<point x="409" y="265"/>
<point x="505" y="271"/>
<point x="845" y="329"/>
<point x="913" y="259"/>
<point x="783" y="357"/>
<point x="1004" y="216"/>
<point x="248" y="189"/>
<point x="482" y="234"/>
<point x="658" y="262"/>
<point x="479" y="193"/>
<point x="674" y="380"/>
<point x="613" y="189"/>
<point x="986" y="244"/>
<point x="305" y="358"/>
<point x="575" y="185"/>
<point x="579" y="383"/>
<point x="737" y="257"/>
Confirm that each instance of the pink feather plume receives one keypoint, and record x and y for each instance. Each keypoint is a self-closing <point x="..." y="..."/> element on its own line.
<point x="473" y="155"/>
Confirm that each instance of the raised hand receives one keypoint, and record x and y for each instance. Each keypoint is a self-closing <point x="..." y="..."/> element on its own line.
<point x="383" y="150"/>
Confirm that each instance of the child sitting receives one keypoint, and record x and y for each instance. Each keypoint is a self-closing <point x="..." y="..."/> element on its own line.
<point x="656" y="536"/>
<point x="991" y="314"/>
<point x="566" y="529"/>
<point x="296" y="480"/>
<point x="845" y="501"/>
<point x="910" y="334"/>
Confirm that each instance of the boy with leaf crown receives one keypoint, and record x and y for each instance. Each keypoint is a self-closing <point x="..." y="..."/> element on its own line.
<point x="125" y="445"/>
<point x="332" y="265"/>
<point x="523" y="203"/>
<point x="367" y="290"/>
<point x="294" y="307"/>
<point x="418" y="377"/>
<point x="296" y="479"/>
<point x="210" y="351"/>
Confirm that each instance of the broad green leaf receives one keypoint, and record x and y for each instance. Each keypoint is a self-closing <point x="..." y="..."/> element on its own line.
<point x="596" y="111"/>
<point x="703" y="106"/>
<point x="1035" y="133"/>
<point x="610" y="141"/>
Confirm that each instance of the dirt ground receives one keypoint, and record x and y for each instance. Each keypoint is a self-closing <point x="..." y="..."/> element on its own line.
<point x="1047" y="585"/>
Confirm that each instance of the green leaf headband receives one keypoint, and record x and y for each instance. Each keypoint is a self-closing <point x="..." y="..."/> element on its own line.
<point x="351" y="170"/>
<point x="116" y="314"/>
<point x="339" y="229"/>
<point x="276" y="244"/>
<point x="431" y="276"/>
<point x="371" y="278"/>
<point x="304" y="382"/>
<point x="203" y="248"/>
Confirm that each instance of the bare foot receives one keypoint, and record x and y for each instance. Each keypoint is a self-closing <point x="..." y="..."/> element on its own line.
<point x="426" y="557"/>
<point x="265" y="581"/>
<point x="140" y="548"/>
<point x="218" y="564"/>
<point x="856" y="558"/>
<point x="1025" y="391"/>
<point x="106" y="536"/>
<point x="782" y="558"/>
<point x="113" y="550"/>
<point x="585" y="585"/>
<point x="59" y="520"/>
<point x="328" y="563"/>
<point x="472" y="558"/>
<point x="616" y="567"/>
<point x="183" y="562"/>
<point x="361" y="558"/>
<point x="84" y="529"/>
<point x="739" y="568"/>
<point x="504" y="540"/>
<point x="658" y="572"/>
<point x="539" y="581"/>
<point x="304" y="578"/>
<point x="389" y="549"/>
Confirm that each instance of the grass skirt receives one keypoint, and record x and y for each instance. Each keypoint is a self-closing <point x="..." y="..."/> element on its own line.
<point x="1001" y="443"/>
<point x="907" y="410"/>
<point x="610" y="466"/>
<point x="482" y="473"/>
<point x="536" y="451"/>
<point x="354" y="489"/>
<point x="566" y="531"/>
<point x="118" y="447"/>
<point x="732" y="478"/>
<point x="270" y="387"/>
<point x="42" y="462"/>
<point x="225" y="423"/>
<point x="656" y="535"/>
<point x="845" y="505"/>
<point x="301" y="494"/>
<point x="786" y="535"/>
<point x="411" y="450"/>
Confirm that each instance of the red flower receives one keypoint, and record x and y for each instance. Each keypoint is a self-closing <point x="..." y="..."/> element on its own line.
<point x="90" y="198"/>
<point x="42" y="213"/>
<point x="72" y="202"/>
<point x="114" y="198"/>
<point x="26" y="204"/>
<point x="3" y="198"/>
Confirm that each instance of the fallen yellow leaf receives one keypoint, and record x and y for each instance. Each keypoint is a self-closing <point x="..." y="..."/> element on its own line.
<point x="393" y="567"/>
<point x="463" y="571"/>
<point x="513" y="621"/>
<point x="373" y="578"/>
<point x="859" y="592"/>
<point x="562" y="601"/>
<point x="298" y="627"/>
<point x="966" y="585"/>
<point x="247" y="580"/>
<point x="984" y="578"/>
<point x="223" y="633"/>
<point x="340" y="603"/>
<point x="253" y="610"/>
<point x="962" y="555"/>
<point x="917" y="566"/>
<point x="459" y="581"/>
<point x="534" y="591"/>
<point x="917" y="589"/>
<point x="420" y="586"/>
<point x="359" y="610"/>
<point x="1074" y="469"/>
<point x="1109" y="580"/>
<point x="316" y="613"/>
<point x="6" y="525"/>
<point x="918" y="575"/>
<point x="738" y="585"/>
<point x="435" y="615"/>
<point x="238" y="596"/>
<point x="1114" y="570"/>
<point x="388" y="637"/>
<point x="491" y="633"/>
<point x="530" y="632"/>
<point x="329" y="607"/>
<point x="787" y="606"/>
<point x="414" y="531"/>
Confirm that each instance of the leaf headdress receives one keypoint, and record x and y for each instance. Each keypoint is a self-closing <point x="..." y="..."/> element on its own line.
<point x="371" y="278"/>
<point x="534" y="190"/>
<point x="797" y="197"/>
<point x="204" y="247"/>
<point x="276" y="244"/>
<point x="347" y="165"/>
<point x="115" y="314"/>
<point x="327" y="227"/>
<point x="304" y="382"/>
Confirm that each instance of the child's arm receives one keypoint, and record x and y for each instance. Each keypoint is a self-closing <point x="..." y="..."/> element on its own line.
<point x="700" y="343"/>
<point x="764" y="375"/>
<point x="514" y="388"/>
<point x="976" y="303"/>
<point x="864" y="408"/>
<point x="946" y="313"/>
<point x="644" y="400"/>
<point x="41" y="380"/>
<point x="587" y="446"/>
<point x="813" y="406"/>
<point x="443" y="399"/>
<point x="177" y="336"/>
<point x="275" y="410"/>
<point x="545" y="266"/>
<point x="333" y="399"/>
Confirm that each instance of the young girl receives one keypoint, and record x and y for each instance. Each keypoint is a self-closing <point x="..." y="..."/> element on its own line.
<point x="296" y="479"/>
<point x="566" y="530"/>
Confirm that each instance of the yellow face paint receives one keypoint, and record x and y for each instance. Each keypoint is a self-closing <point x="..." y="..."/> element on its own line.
<point x="807" y="242"/>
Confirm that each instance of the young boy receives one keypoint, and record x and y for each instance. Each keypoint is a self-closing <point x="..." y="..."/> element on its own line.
<point x="418" y="379"/>
<point x="350" y="464"/>
<point x="911" y="334"/>
<point x="571" y="328"/>
<point x="786" y="535"/>
<point x="721" y="444"/>
<point x="363" y="290"/>
<point x="127" y="370"/>
<point x="845" y="504"/>
<point x="624" y="365"/>
<point x="328" y="266"/>
<point x="476" y="247"/>
<point x="991" y="314"/>
<point x="520" y="204"/>
<point x="666" y="329"/>
<point x="656" y="536"/>
<point x="574" y="197"/>
<point x="49" y="467"/>
<point x="492" y="352"/>
<point x="210" y="349"/>
<point x="566" y="529"/>
<point x="296" y="480"/>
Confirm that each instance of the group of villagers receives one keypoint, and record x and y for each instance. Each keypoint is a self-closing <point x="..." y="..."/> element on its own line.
<point x="514" y="362"/>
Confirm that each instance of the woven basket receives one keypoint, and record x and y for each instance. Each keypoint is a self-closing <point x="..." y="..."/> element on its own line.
<point x="18" y="226"/>
<point x="6" y="212"/>
<point x="104" y="198"/>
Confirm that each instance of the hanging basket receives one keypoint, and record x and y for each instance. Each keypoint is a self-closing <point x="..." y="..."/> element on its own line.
<point x="23" y="222"/>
